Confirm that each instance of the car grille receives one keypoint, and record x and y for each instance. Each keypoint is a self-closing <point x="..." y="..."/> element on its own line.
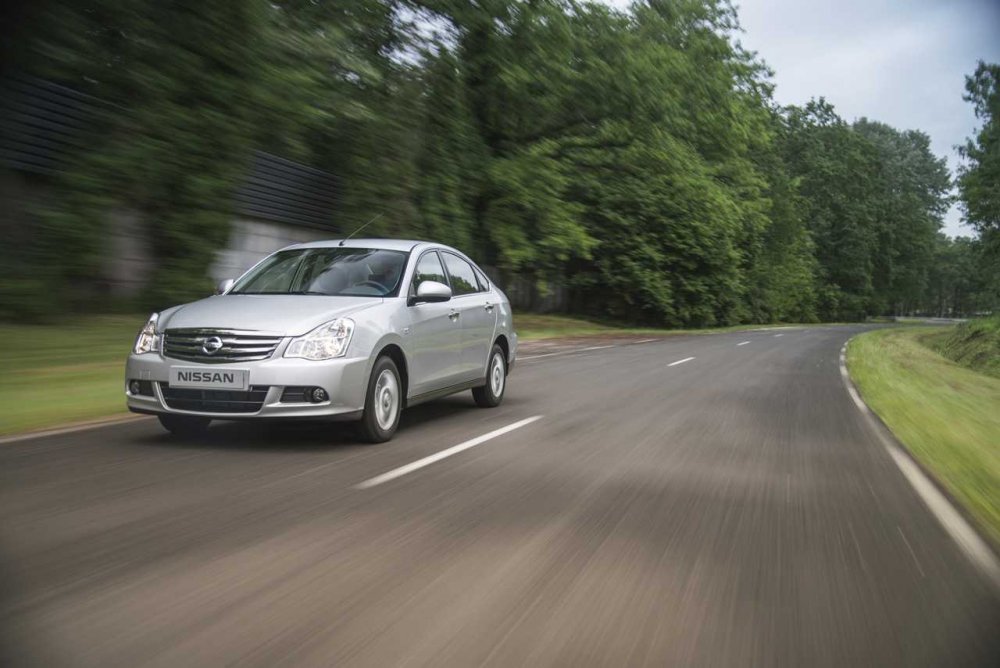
<point x="215" y="401"/>
<point x="187" y="344"/>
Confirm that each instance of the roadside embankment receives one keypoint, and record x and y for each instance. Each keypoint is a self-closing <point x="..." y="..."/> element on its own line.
<point x="974" y="344"/>
<point x="947" y="415"/>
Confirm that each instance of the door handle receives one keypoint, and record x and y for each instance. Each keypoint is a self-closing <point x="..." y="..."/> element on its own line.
<point x="489" y="306"/>
<point x="454" y="315"/>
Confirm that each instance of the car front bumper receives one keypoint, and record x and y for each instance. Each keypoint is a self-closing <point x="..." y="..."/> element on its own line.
<point x="344" y="380"/>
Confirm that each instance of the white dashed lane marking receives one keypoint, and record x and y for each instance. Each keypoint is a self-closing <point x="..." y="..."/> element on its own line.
<point x="448" y="452"/>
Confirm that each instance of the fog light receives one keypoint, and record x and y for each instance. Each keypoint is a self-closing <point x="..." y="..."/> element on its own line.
<point x="318" y="395"/>
<point x="134" y="387"/>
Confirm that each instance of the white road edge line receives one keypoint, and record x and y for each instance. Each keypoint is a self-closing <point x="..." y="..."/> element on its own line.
<point x="535" y="357"/>
<point x="686" y="359"/>
<point x="647" y="340"/>
<point x="448" y="452"/>
<point x="72" y="429"/>
<point x="742" y="343"/>
<point x="777" y="335"/>
<point x="563" y="352"/>
<point x="968" y="541"/>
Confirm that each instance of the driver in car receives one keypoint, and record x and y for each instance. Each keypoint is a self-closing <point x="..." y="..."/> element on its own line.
<point x="385" y="272"/>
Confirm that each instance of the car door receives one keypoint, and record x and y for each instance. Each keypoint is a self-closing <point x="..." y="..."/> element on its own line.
<point x="476" y="312"/>
<point x="435" y="337"/>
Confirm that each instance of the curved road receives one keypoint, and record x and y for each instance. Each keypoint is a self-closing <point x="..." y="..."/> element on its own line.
<point x="731" y="509"/>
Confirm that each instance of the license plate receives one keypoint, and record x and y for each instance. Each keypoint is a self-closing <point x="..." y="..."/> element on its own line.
<point x="209" y="379"/>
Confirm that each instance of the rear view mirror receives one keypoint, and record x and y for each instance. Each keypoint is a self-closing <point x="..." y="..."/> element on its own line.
<point x="431" y="292"/>
<point x="224" y="286"/>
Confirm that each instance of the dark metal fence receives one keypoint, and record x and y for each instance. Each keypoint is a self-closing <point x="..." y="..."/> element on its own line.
<point x="42" y="124"/>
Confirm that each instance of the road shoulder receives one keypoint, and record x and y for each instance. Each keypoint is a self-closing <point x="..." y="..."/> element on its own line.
<point x="929" y="414"/>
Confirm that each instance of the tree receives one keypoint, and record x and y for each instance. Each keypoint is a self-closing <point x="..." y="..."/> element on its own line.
<point x="783" y="270"/>
<point x="837" y="172"/>
<point x="910" y="204"/>
<point x="451" y="158"/>
<point x="979" y="178"/>
<point x="635" y="157"/>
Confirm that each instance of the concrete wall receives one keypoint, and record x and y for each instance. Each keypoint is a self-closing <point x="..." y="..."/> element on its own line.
<point x="131" y="260"/>
<point x="131" y="256"/>
<point x="251" y="240"/>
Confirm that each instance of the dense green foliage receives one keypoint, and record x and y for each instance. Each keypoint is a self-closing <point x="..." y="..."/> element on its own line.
<point x="635" y="158"/>
<point x="179" y="79"/>
<point x="979" y="180"/>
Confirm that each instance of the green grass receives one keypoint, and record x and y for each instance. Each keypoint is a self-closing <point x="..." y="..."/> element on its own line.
<point x="537" y="326"/>
<point x="947" y="415"/>
<point x="59" y="374"/>
<point x="974" y="344"/>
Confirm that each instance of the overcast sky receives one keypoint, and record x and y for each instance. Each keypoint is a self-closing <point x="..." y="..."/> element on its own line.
<point x="902" y="62"/>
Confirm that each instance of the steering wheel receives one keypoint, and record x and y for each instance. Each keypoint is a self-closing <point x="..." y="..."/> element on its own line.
<point x="375" y="284"/>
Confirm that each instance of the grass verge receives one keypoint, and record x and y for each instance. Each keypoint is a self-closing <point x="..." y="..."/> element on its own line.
<point x="537" y="326"/>
<point x="532" y="326"/>
<point x="946" y="415"/>
<point x="56" y="375"/>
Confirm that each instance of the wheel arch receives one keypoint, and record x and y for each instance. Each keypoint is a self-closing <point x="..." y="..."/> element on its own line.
<point x="395" y="352"/>
<point x="501" y="340"/>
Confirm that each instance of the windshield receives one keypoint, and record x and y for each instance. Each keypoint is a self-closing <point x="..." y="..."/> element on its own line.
<point x="339" y="272"/>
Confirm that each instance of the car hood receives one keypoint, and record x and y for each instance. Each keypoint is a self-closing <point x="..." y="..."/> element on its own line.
<point x="290" y="315"/>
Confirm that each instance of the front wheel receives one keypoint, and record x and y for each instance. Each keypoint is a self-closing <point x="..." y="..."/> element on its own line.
<point x="184" y="425"/>
<point x="491" y="394"/>
<point x="383" y="402"/>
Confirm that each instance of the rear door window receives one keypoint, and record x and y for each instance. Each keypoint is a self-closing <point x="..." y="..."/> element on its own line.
<point x="484" y="283"/>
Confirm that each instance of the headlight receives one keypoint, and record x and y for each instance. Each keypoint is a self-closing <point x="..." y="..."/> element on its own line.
<point x="323" y="343"/>
<point x="148" y="340"/>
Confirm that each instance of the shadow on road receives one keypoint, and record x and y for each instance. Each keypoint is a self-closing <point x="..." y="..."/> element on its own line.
<point x="305" y="436"/>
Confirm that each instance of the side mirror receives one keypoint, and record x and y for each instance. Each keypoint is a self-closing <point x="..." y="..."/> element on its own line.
<point x="431" y="292"/>
<point x="224" y="286"/>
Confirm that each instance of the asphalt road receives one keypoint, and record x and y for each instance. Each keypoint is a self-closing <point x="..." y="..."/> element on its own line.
<point x="734" y="509"/>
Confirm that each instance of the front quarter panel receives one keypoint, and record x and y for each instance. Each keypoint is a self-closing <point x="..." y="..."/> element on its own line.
<point x="376" y="328"/>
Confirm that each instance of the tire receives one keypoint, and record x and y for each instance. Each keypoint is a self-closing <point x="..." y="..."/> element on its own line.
<point x="491" y="394"/>
<point x="184" y="425"/>
<point x="383" y="402"/>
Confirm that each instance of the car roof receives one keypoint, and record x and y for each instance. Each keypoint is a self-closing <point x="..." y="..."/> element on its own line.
<point x="384" y="244"/>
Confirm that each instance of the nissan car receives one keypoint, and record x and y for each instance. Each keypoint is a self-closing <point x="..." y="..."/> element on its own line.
<point x="330" y="330"/>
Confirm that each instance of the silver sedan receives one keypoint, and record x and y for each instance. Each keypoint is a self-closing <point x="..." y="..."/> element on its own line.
<point x="336" y="330"/>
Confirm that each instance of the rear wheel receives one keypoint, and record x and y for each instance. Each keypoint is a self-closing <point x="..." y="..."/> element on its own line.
<point x="184" y="425"/>
<point x="383" y="402"/>
<point x="491" y="394"/>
